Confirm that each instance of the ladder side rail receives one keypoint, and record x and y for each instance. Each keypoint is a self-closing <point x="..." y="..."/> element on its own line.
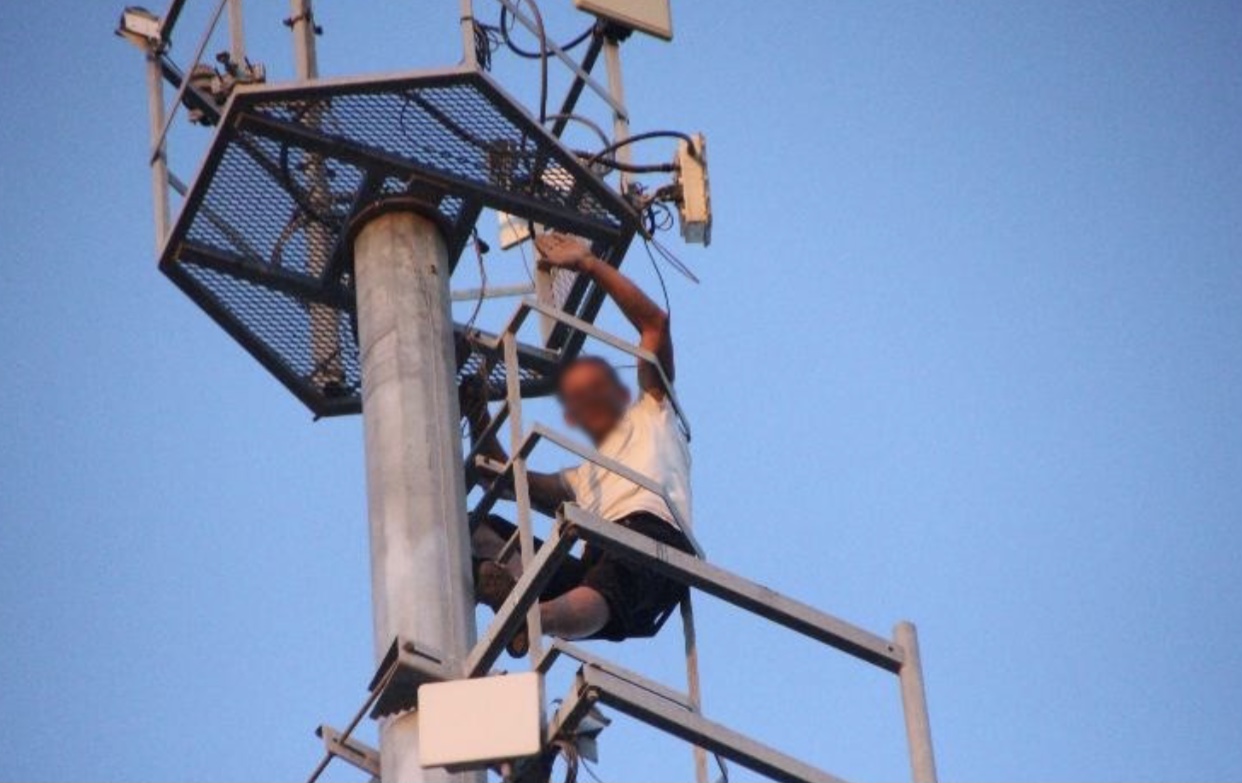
<point x="914" y="706"/>
<point x="521" y="483"/>
<point x="492" y="428"/>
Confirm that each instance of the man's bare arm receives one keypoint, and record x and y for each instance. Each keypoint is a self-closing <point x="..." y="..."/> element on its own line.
<point x="647" y="317"/>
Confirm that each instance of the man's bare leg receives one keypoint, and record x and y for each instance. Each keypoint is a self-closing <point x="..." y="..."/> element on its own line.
<point x="575" y="615"/>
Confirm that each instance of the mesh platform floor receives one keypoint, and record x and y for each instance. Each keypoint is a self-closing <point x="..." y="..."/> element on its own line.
<point x="262" y="243"/>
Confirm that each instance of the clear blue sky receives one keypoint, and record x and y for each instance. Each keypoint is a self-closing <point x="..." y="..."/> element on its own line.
<point x="967" y="350"/>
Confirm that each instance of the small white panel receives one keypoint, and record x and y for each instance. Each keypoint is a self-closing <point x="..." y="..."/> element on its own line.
<point x="471" y="724"/>
<point x="653" y="17"/>
<point x="513" y="231"/>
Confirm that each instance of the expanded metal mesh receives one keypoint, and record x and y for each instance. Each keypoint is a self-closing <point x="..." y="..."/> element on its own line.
<point x="263" y="241"/>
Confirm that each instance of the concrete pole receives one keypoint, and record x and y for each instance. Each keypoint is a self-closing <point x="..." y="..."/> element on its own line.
<point x="914" y="705"/>
<point x="420" y="551"/>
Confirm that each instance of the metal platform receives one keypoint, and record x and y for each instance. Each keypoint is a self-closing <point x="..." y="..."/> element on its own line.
<point x="263" y="243"/>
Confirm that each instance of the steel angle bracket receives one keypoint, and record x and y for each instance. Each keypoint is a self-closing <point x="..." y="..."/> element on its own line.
<point x="405" y="667"/>
<point x="263" y="241"/>
<point x="350" y="750"/>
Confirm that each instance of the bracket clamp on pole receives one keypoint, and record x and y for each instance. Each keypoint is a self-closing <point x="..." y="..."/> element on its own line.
<point x="405" y="667"/>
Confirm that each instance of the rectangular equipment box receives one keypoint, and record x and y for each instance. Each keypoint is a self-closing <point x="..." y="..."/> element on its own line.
<point x="472" y="724"/>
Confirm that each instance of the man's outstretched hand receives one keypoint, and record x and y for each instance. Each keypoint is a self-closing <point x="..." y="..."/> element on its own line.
<point x="563" y="251"/>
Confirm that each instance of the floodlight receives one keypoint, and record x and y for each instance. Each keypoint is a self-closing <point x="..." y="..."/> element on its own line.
<point x="653" y="17"/>
<point x="140" y="27"/>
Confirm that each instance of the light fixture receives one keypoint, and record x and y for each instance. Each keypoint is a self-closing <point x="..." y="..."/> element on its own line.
<point x="140" y="27"/>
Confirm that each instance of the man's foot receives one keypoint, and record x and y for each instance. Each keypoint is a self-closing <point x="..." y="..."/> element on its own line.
<point x="492" y="584"/>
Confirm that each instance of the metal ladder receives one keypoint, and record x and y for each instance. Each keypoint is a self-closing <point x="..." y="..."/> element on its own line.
<point x="599" y="681"/>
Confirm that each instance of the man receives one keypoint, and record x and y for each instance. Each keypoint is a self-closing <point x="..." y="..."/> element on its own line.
<point x="601" y="596"/>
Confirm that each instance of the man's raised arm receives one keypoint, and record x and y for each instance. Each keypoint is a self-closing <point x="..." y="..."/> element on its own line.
<point x="647" y="317"/>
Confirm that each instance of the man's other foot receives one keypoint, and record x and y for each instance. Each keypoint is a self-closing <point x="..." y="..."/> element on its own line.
<point x="492" y="584"/>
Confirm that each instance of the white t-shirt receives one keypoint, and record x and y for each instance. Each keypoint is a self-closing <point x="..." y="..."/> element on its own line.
<point x="648" y="441"/>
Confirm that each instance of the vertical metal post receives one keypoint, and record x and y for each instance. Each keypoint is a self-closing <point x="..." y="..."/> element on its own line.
<point x="237" y="33"/>
<point x="325" y="338"/>
<point x="468" y="55"/>
<point x="914" y="705"/>
<point x="616" y="88"/>
<point x="521" y="487"/>
<point x="693" y="687"/>
<point x="302" y="22"/>
<point x="159" y="161"/>
<point x="416" y="495"/>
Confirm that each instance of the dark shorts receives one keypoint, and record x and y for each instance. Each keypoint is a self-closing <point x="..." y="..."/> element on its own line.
<point x="638" y="599"/>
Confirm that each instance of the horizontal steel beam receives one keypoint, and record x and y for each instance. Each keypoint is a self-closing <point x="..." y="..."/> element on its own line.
<point x="599" y="685"/>
<point x="272" y="277"/>
<point x="733" y="589"/>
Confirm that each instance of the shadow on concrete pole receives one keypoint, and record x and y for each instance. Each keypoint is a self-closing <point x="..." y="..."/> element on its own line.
<point x="420" y="557"/>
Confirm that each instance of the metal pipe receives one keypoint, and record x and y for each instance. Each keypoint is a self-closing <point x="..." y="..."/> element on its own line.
<point x="914" y="705"/>
<point x="159" y="161"/>
<point x="324" y="334"/>
<point x="469" y="56"/>
<point x="693" y="686"/>
<point x="420" y="551"/>
<point x="185" y="82"/>
<point x="237" y="33"/>
<point x="305" y="56"/>
<point x="620" y="117"/>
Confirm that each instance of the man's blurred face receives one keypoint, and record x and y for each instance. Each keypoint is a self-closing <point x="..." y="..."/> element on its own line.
<point x="593" y="399"/>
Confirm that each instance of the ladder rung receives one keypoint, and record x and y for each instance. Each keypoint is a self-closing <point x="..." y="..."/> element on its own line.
<point x="729" y="587"/>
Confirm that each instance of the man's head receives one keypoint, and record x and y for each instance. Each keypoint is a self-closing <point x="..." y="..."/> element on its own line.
<point x="593" y="396"/>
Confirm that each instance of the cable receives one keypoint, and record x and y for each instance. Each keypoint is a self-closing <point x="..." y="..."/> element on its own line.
<point x="529" y="55"/>
<point x="668" y="305"/>
<point x="542" y="56"/>
<point x="632" y="168"/>
<point x="478" y="303"/>
<point x="583" y="121"/>
<point x="486" y="42"/>
<point x="657" y="134"/>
